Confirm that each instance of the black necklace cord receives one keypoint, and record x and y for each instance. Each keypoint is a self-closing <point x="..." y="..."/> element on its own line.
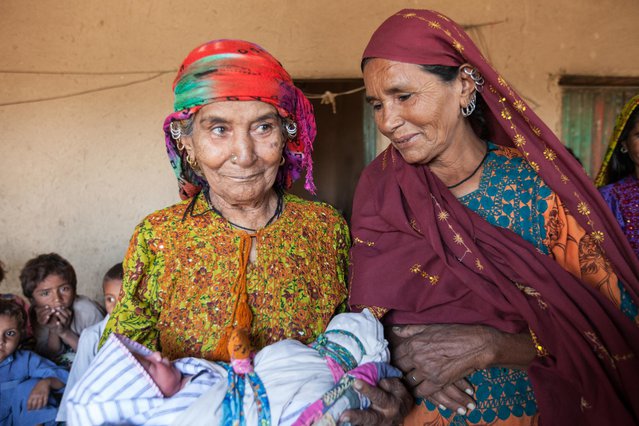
<point x="276" y="214"/>
<point x="473" y="172"/>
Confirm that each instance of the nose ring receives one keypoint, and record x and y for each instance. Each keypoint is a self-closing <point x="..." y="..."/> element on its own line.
<point x="233" y="158"/>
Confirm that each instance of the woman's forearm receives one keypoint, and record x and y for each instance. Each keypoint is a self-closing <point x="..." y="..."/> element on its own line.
<point x="509" y="350"/>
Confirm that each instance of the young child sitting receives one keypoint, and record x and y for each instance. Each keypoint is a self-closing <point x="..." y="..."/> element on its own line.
<point x="58" y="315"/>
<point x="129" y="384"/>
<point x="26" y="379"/>
<point x="88" y="342"/>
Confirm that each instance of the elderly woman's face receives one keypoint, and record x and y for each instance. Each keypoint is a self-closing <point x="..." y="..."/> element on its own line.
<point x="415" y="109"/>
<point x="238" y="147"/>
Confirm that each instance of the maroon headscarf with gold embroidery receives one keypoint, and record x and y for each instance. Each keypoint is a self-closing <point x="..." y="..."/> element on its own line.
<point x="421" y="254"/>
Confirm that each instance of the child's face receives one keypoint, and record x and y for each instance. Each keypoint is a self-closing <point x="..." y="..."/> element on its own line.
<point x="164" y="374"/>
<point x="9" y="336"/>
<point x="54" y="292"/>
<point x="111" y="294"/>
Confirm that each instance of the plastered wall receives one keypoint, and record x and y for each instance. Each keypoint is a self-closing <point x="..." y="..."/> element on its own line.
<point x="78" y="173"/>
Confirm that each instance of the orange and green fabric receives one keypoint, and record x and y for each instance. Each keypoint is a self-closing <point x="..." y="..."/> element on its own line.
<point x="512" y="196"/>
<point x="182" y="267"/>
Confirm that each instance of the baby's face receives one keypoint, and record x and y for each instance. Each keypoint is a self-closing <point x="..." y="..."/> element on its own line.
<point x="54" y="292"/>
<point x="164" y="374"/>
<point x="9" y="336"/>
<point x="111" y="294"/>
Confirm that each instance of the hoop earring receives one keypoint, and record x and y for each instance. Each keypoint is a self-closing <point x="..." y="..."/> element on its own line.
<point x="623" y="149"/>
<point x="192" y="162"/>
<point x="176" y="132"/>
<point x="291" y="129"/>
<point x="468" y="109"/>
<point x="476" y="76"/>
<point x="282" y="161"/>
<point x="179" y="144"/>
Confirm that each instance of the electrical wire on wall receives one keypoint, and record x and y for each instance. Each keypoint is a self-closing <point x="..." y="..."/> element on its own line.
<point x="327" y="98"/>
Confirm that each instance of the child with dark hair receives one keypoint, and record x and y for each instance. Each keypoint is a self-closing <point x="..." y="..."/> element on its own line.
<point x="26" y="379"/>
<point x="88" y="343"/>
<point x="58" y="314"/>
<point x="26" y="338"/>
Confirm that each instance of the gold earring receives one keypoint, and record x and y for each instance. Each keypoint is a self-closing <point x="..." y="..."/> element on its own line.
<point x="192" y="161"/>
<point x="179" y="145"/>
<point x="282" y="161"/>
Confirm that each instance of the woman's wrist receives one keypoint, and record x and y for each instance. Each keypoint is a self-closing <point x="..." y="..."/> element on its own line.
<point x="507" y="349"/>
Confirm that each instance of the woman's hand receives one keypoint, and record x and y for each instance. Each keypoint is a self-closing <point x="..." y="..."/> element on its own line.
<point x="436" y="358"/>
<point x="390" y="403"/>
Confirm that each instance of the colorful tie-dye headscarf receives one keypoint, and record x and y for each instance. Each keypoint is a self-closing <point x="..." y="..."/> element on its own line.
<point x="236" y="70"/>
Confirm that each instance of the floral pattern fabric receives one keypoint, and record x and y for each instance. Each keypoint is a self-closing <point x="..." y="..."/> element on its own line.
<point x="182" y="264"/>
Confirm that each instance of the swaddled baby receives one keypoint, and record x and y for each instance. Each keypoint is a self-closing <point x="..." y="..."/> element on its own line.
<point x="287" y="382"/>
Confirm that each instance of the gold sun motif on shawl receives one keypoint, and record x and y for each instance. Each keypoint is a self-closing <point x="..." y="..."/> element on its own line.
<point x="506" y="114"/>
<point x="519" y="106"/>
<point x="534" y="166"/>
<point x="434" y="24"/>
<point x="584" y="404"/>
<point x="478" y="265"/>
<point x="416" y="268"/>
<point x="535" y="130"/>
<point x="519" y="140"/>
<point x="564" y="178"/>
<point x="583" y="208"/>
<point x="409" y="15"/>
<point x="447" y="32"/>
<point x="458" y="238"/>
<point x="598" y="236"/>
<point x="442" y="215"/>
<point x="550" y="154"/>
<point x="457" y="45"/>
<point x="501" y="81"/>
<point x="434" y="279"/>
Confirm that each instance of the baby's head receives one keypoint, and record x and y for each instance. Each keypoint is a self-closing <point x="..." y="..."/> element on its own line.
<point x="12" y="320"/>
<point x="111" y="286"/>
<point x="49" y="280"/>
<point x="165" y="375"/>
<point x="361" y="334"/>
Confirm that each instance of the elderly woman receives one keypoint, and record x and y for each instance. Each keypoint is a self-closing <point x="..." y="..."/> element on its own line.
<point x="619" y="173"/>
<point x="483" y="244"/>
<point x="238" y="251"/>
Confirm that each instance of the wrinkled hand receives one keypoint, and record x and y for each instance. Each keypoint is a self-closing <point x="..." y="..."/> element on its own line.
<point x="39" y="395"/>
<point x="390" y="403"/>
<point x="436" y="358"/>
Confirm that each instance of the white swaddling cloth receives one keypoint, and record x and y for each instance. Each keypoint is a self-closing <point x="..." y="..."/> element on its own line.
<point x="117" y="390"/>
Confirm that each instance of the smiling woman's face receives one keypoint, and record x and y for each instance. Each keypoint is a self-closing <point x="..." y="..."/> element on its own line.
<point x="415" y="109"/>
<point x="238" y="147"/>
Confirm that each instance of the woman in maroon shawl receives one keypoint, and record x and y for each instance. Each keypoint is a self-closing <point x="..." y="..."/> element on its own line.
<point x="511" y="291"/>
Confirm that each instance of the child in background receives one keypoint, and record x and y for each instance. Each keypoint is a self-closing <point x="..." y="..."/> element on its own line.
<point x="90" y="337"/>
<point x="57" y="313"/>
<point x="26" y="379"/>
<point x="26" y="341"/>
